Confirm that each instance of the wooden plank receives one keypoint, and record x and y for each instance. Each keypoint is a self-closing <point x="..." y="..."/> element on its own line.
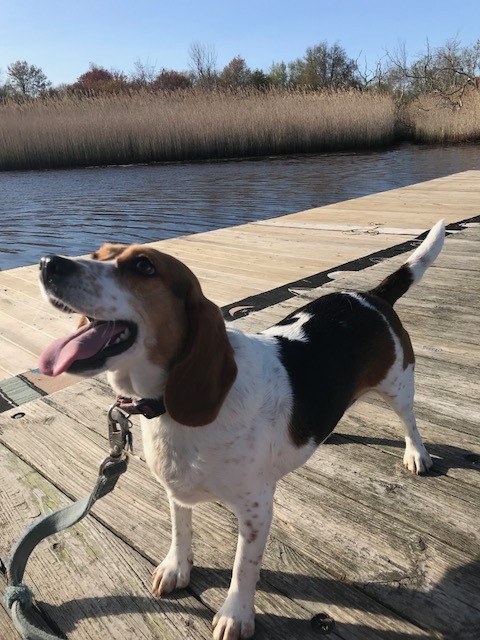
<point x="350" y="229"/>
<point x="71" y="573"/>
<point x="5" y="373"/>
<point x="29" y="339"/>
<point x="321" y="252"/>
<point x="391" y="489"/>
<point x="14" y="359"/>
<point x="386" y="212"/>
<point x="41" y="315"/>
<point x="27" y="286"/>
<point x="6" y="625"/>
<point x="432" y="597"/>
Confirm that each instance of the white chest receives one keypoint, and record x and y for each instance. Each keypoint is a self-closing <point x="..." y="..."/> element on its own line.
<point x="175" y="460"/>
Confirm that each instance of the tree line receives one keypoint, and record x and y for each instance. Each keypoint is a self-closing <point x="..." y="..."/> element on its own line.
<point x="448" y="71"/>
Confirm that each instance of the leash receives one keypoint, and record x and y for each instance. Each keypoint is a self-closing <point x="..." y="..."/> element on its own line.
<point x="147" y="407"/>
<point x="18" y="596"/>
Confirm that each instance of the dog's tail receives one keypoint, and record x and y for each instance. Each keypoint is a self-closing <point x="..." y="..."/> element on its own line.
<point x="411" y="272"/>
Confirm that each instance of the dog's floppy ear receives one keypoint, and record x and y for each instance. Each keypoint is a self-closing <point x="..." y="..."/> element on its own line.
<point x="200" y="380"/>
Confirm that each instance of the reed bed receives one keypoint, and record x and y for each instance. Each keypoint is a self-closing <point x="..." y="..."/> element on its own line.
<point x="142" y="127"/>
<point x="434" y="120"/>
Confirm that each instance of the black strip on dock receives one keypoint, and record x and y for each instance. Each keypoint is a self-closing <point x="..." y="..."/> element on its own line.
<point x="266" y="299"/>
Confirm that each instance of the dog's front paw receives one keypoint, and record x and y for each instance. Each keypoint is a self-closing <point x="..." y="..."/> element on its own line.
<point x="234" y="621"/>
<point x="171" y="574"/>
<point x="416" y="459"/>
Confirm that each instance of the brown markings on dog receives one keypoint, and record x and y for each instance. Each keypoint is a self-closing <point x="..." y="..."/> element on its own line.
<point x="379" y="357"/>
<point x="383" y="354"/>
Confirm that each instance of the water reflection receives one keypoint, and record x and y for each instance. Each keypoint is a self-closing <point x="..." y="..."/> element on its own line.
<point x="74" y="211"/>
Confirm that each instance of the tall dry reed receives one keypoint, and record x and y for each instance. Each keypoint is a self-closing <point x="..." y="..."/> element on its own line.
<point x="434" y="120"/>
<point x="143" y="127"/>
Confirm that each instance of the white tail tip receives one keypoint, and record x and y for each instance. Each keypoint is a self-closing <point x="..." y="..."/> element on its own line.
<point x="426" y="253"/>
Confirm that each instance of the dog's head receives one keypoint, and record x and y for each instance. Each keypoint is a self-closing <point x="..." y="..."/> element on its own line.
<point x="144" y="319"/>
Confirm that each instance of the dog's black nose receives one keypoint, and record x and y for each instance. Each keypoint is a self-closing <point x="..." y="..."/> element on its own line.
<point x="55" y="267"/>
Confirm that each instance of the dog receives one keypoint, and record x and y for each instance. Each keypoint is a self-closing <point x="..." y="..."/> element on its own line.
<point x="238" y="411"/>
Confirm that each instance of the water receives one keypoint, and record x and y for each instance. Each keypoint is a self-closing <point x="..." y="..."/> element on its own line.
<point x="72" y="212"/>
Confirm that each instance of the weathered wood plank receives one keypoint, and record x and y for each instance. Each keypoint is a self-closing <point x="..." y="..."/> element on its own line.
<point x="21" y="333"/>
<point x="389" y="488"/>
<point x="38" y="314"/>
<point x="29" y="286"/>
<point x="414" y="575"/>
<point x="14" y="358"/>
<point x="6" y="625"/>
<point x="71" y="573"/>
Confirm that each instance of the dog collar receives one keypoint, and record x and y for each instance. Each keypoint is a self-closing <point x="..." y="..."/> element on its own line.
<point x="148" y="407"/>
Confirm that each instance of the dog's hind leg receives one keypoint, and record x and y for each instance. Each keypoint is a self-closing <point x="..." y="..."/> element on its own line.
<point x="398" y="391"/>
<point x="174" y="571"/>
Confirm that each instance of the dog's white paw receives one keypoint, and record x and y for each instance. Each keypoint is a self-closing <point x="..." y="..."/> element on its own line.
<point x="171" y="574"/>
<point x="417" y="459"/>
<point x="234" y="621"/>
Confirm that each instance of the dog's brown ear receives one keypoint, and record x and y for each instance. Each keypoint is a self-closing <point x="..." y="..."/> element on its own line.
<point x="108" y="251"/>
<point x="200" y="380"/>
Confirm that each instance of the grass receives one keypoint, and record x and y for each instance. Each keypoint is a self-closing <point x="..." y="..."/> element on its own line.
<point x="142" y="127"/>
<point x="434" y="121"/>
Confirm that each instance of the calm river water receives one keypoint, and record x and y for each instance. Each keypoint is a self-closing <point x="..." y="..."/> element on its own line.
<point x="74" y="211"/>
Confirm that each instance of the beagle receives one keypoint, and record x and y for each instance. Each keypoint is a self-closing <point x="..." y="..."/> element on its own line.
<point x="239" y="411"/>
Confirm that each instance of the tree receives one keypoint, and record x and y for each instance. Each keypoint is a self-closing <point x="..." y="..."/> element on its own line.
<point x="203" y="61"/>
<point x="27" y="79"/>
<point x="278" y="74"/>
<point x="98" y="79"/>
<point x="94" y="79"/>
<point x="324" y="67"/>
<point x="372" y="78"/>
<point x="171" y="81"/>
<point x="259" y="80"/>
<point x="447" y="71"/>
<point x="143" y="74"/>
<point x="236" y="74"/>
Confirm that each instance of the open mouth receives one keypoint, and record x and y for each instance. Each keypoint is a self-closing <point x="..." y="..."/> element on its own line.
<point x="88" y="348"/>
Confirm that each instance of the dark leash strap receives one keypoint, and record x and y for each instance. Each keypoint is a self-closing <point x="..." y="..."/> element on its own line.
<point x="18" y="596"/>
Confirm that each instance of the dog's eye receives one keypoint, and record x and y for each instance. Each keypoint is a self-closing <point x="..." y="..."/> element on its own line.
<point x="144" y="267"/>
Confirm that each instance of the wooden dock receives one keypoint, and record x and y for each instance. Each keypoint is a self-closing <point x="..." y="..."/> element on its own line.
<point x="384" y="554"/>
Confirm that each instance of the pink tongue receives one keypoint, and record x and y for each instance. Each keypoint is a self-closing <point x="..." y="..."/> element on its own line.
<point x="83" y="344"/>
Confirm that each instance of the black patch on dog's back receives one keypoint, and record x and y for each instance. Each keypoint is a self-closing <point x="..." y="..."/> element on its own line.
<point x="343" y="341"/>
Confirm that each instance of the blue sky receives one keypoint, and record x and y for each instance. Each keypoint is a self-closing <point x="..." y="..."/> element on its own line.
<point x="64" y="36"/>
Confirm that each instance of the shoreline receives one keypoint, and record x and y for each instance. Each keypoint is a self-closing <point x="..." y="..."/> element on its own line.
<point x="398" y="144"/>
